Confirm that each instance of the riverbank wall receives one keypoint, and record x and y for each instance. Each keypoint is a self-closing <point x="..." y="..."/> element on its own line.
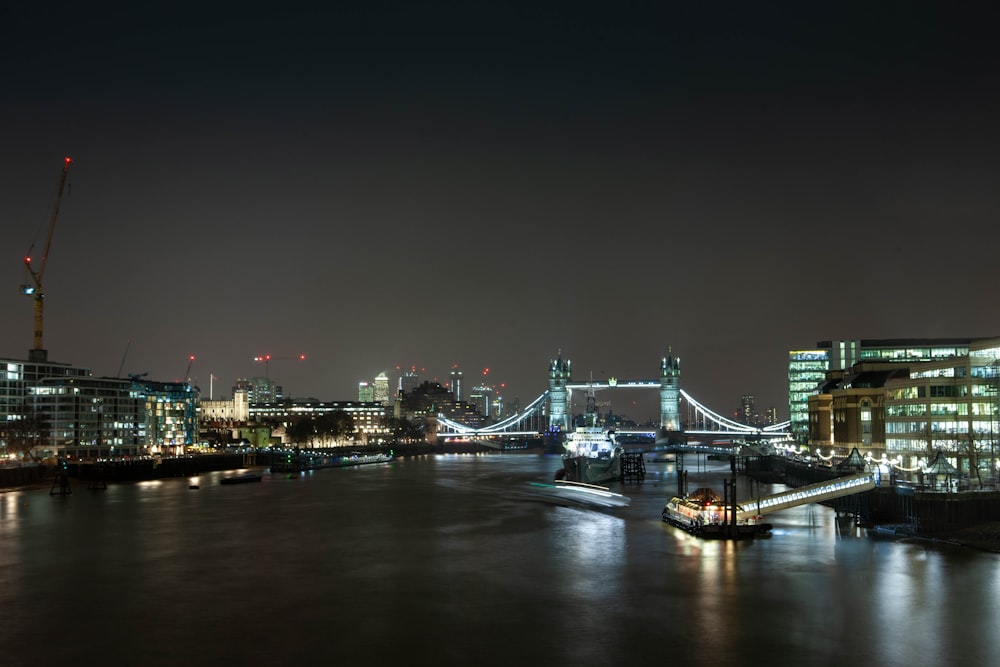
<point x="147" y="468"/>
<point x="28" y="475"/>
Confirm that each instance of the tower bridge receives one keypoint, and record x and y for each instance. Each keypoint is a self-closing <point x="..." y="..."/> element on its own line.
<point x="702" y="429"/>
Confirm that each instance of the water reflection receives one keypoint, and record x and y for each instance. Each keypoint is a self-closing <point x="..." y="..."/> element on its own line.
<point x="434" y="557"/>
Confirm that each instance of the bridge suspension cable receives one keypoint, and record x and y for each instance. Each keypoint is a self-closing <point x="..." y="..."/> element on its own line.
<point x="715" y="417"/>
<point x="499" y="428"/>
<point x="509" y="425"/>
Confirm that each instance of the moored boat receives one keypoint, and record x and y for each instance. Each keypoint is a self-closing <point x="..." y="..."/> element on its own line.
<point x="591" y="453"/>
<point x="705" y="514"/>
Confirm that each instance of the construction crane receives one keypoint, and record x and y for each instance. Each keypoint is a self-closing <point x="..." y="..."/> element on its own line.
<point x="34" y="288"/>
<point x="267" y="358"/>
<point x="187" y="372"/>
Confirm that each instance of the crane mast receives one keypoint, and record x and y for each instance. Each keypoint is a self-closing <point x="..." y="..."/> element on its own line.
<point x="34" y="289"/>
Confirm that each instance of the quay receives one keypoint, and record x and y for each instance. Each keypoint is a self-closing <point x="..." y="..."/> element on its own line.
<point x="318" y="460"/>
<point x="97" y="473"/>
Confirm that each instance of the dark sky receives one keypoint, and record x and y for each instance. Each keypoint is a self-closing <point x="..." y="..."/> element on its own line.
<point x="383" y="184"/>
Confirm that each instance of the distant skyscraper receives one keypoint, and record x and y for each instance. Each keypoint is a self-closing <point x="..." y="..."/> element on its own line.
<point x="366" y="392"/>
<point x="480" y="397"/>
<point x="409" y="381"/>
<point x="259" y="389"/>
<point x="771" y="416"/>
<point x="456" y="383"/>
<point x="381" y="389"/>
<point x="747" y="408"/>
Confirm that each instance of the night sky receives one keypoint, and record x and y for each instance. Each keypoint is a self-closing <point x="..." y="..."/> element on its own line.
<point x="395" y="184"/>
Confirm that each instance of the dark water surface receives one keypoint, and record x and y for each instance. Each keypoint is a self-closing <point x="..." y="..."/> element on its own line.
<point x="442" y="561"/>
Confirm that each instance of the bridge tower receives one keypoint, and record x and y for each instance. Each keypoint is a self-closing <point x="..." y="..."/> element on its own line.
<point x="559" y="376"/>
<point x="670" y="393"/>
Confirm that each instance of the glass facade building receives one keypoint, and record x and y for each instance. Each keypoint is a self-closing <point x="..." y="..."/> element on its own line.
<point x="806" y="370"/>
<point x="82" y="416"/>
<point x="804" y="365"/>
<point x="948" y="405"/>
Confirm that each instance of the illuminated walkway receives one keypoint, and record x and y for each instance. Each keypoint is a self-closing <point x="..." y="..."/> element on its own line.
<point x="803" y="495"/>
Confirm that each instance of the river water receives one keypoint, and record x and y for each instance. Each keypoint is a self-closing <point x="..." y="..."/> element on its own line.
<point x="444" y="560"/>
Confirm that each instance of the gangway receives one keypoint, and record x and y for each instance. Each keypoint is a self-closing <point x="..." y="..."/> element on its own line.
<point x="803" y="495"/>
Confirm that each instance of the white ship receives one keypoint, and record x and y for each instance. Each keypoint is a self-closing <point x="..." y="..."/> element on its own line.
<point x="592" y="455"/>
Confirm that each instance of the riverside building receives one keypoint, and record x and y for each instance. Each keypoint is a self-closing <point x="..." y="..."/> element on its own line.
<point x="807" y="368"/>
<point x="907" y="400"/>
<point x="74" y="414"/>
<point x="949" y="406"/>
<point x="368" y="418"/>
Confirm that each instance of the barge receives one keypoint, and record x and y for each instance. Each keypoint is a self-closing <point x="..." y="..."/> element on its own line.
<point x="705" y="514"/>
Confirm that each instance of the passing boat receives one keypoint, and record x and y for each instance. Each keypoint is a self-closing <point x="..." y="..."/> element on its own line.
<point x="591" y="453"/>
<point x="705" y="514"/>
<point x="578" y="495"/>
<point x="241" y="479"/>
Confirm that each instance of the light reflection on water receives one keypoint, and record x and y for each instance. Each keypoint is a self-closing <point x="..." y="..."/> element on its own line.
<point x="439" y="559"/>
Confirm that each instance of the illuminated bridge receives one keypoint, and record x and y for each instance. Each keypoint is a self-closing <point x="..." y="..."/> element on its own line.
<point x="803" y="495"/>
<point x="701" y="429"/>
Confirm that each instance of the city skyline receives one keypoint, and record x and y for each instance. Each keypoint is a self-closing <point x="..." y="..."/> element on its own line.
<point x="493" y="184"/>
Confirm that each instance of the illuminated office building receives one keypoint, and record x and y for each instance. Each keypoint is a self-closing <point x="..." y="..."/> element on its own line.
<point x="380" y="393"/>
<point x="747" y="414"/>
<point x="259" y="389"/>
<point x="368" y="418"/>
<point x="948" y="405"/>
<point x="456" y="383"/>
<point x="807" y="368"/>
<point x="366" y="392"/>
<point x="83" y="416"/>
<point x="480" y="396"/>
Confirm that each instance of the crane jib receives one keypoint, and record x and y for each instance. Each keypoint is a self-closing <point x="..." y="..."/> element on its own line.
<point x="36" y="290"/>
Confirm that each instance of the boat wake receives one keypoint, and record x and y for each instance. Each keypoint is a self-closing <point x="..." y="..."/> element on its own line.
<point x="576" y="494"/>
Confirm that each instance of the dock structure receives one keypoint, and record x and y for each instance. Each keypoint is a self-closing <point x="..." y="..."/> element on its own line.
<point x="633" y="467"/>
<point x="60" y="482"/>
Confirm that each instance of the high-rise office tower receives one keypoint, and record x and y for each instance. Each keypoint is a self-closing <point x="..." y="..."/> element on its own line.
<point x="409" y="380"/>
<point x="381" y="388"/>
<point x="456" y="383"/>
<point x="366" y="392"/>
